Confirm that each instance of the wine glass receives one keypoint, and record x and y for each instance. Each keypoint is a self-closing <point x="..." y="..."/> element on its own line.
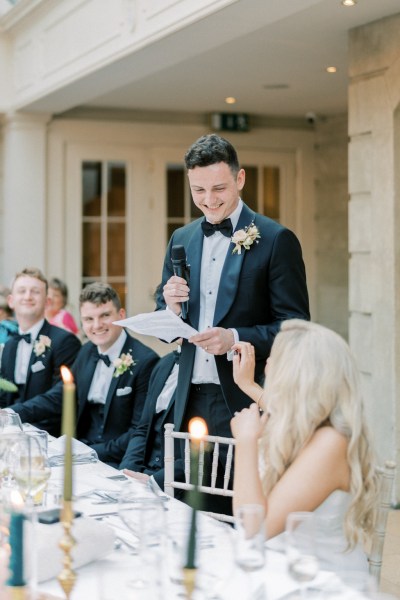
<point x="10" y="422"/>
<point x="29" y="467"/>
<point x="300" y="549"/>
<point x="250" y="539"/>
<point x="143" y="514"/>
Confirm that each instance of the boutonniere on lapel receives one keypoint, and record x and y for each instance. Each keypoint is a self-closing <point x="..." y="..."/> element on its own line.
<point x="41" y="344"/>
<point x="244" y="238"/>
<point x="123" y="363"/>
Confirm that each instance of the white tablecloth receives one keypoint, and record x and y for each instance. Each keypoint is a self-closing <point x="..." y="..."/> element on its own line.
<point x="218" y="576"/>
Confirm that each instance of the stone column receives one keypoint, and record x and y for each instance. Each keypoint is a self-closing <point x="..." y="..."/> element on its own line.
<point x="374" y="232"/>
<point x="24" y="192"/>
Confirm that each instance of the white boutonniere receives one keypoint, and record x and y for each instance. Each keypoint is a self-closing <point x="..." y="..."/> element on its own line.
<point x="123" y="363"/>
<point x="41" y="344"/>
<point x="244" y="238"/>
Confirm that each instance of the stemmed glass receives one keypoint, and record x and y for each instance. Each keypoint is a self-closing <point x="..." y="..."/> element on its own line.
<point x="143" y="514"/>
<point x="250" y="542"/>
<point x="29" y="466"/>
<point x="10" y="422"/>
<point x="301" y="549"/>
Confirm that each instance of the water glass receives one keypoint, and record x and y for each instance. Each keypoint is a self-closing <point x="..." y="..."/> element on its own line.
<point x="42" y="437"/>
<point x="301" y="553"/>
<point x="250" y="539"/>
<point x="10" y="422"/>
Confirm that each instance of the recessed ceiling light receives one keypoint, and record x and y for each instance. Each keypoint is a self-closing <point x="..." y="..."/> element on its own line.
<point x="230" y="100"/>
<point x="349" y="2"/>
<point x="331" y="69"/>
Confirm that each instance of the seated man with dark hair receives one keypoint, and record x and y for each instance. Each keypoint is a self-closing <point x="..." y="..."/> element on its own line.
<point x="111" y="372"/>
<point x="145" y="453"/>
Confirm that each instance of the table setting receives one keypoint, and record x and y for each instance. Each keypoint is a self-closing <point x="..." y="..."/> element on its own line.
<point x="76" y="528"/>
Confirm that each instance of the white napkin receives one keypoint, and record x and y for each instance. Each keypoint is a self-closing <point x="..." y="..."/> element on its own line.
<point x="94" y="540"/>
<point x="81" y="453"/>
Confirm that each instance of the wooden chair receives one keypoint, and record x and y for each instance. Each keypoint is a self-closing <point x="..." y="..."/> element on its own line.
<point x="386" y="478"/>
<point x="169" y="466"/>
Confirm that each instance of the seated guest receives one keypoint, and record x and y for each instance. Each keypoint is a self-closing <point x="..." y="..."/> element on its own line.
<point x="111" y="373"/>
<point x="32" y="358"/>
<point x="311" y="449"/>
<point x="8" y="325"/>
<point x="145" y="453"/>
<point x="56" y="312"/>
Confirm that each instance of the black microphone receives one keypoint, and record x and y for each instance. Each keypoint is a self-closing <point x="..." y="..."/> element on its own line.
<point x="181" y="269"/>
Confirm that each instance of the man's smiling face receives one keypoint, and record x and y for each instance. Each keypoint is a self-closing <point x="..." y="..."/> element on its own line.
<point x="97" y="323"/>
<point x="216" y="190"/>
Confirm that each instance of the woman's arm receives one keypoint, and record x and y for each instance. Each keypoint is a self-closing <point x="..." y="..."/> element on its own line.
<point x="246" y="429"/>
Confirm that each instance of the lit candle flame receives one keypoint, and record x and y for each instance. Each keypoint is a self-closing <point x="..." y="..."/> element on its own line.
<point x="197" y="428"/>
<point x="66" y="375"/>
<point x="16" y="500"/>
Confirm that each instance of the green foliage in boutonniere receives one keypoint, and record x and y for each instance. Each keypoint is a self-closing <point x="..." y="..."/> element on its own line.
<point x="123" y="363"/>
<point x="244" y="238"/>
<point x="41" y="344"/>
<point x="7" y="386"/>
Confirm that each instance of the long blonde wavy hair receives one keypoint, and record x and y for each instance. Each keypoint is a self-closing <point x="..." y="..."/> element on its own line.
<point x="313" y="380"/>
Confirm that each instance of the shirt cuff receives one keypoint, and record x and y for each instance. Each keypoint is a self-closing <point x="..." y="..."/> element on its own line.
<point x="229" y="354"/>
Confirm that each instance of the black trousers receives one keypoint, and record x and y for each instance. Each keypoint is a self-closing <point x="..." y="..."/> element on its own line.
<point x="206" y="401"/>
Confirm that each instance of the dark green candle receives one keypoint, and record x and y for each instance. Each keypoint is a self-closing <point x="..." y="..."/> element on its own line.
<point x="198" y="429"/>
<point x="16" y="540"/>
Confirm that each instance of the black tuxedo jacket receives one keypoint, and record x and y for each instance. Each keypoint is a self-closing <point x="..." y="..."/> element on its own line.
<point x="124" y="403"/>
<point x="43" y="371"/>
<point x="259" y="288"/>
<point x="139" y="448"/>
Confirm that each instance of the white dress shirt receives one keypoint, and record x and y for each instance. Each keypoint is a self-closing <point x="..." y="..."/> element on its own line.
<point x="164" y="398"/>
<point x="102" y="375"/>
<point x="215" y="248"/>
<point x="24" y="351"/>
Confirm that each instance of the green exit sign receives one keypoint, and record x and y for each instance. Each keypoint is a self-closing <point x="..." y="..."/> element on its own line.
<point x="230" y="121"/>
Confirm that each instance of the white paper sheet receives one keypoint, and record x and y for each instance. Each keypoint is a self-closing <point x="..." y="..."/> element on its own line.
<point x="163" y="324"/>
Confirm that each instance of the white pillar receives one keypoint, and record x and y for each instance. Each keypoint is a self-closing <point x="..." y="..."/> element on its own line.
<point x="24" y="192"/>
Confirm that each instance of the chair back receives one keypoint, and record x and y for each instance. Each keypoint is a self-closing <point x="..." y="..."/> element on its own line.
<point x="386" y="478"/>
<point x="169" y="465"/>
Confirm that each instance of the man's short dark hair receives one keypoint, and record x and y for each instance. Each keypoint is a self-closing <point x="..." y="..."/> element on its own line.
<point x="209" y="150"/>
<point x="99" y="293"/>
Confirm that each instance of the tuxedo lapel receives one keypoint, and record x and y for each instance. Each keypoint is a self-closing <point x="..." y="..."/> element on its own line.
<point x="193" y="256"/>
<point x="45" y="330"/>
<point x="120" y="381"/>
<point x="231" y="271"/>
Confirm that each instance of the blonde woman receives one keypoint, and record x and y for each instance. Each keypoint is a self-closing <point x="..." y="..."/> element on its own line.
<point x="310" y="451"/>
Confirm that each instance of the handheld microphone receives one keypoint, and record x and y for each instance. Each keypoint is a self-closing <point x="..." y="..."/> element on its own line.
<point x="181" y="269"/>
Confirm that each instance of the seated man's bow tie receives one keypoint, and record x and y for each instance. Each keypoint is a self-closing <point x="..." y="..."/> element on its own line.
<point x="225" y="227"/>
<point x="105" y="358"/>
<point x="23" y="336"/>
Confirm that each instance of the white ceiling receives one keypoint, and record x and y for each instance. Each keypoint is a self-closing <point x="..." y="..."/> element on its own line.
<point x="292" y="51"/>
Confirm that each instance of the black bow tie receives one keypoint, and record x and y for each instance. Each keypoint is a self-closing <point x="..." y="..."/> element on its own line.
<point x="177" y="356"/>
<point x="105" y="358"/>
<point x="23" y="336"/>
<point x="225" y="227"/>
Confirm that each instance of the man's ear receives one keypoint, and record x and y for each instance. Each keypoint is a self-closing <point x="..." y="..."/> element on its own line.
<point x="122" y="313"/>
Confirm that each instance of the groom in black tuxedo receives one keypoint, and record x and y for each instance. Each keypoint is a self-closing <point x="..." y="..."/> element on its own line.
<point x="240" y="288"/>
<point x="32" y="358"/>
<point x="111" y="373"/>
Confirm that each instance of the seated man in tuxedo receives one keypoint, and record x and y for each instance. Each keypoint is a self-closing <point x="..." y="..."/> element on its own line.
<point x="145" y="453"/>
<point x="32" y="358"/>
<point x="111" y="374"/>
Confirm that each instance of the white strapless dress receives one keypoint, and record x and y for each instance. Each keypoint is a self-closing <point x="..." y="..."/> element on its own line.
<point x="331" y="542"/>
